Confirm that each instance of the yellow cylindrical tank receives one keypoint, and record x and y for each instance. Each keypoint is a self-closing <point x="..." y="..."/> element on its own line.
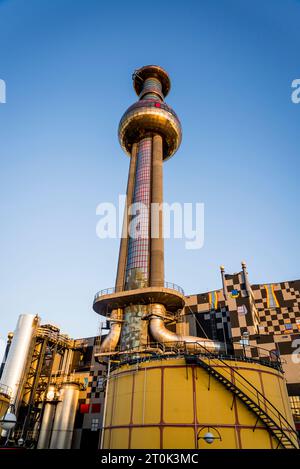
<point x="167" y="403"/>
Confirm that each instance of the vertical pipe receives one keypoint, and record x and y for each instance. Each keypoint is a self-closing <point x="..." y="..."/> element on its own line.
<point x="56" y="423"/>
<point x="63" y="362"/>
<point x="157" y="241"/>
<point x="65" y="416"/>
<point x="68" y="362"/>
<point x="120" y="280"/>
<point x="47" y="422"/>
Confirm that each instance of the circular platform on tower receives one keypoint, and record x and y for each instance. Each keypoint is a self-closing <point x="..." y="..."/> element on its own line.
<point x="171" y="296"/>
<point x="151" y="71"/>
<point x="149" y="117"/>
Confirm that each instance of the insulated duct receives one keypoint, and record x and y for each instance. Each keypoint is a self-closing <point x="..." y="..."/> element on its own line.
<point x="162" y="335"/>
<point x="111" y="340"/>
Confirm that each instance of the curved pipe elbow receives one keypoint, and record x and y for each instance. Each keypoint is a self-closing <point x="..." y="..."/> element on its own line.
<point x="161" y="334"/>
<point x="110" y="342"/>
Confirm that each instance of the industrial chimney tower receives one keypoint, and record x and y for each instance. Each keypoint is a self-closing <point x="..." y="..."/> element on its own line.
<point x="149" y="132"/>
<point x="164" y="387"/>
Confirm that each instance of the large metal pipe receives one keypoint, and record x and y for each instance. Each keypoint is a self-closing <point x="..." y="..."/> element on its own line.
<point x="157" y="241"/>
<point x="68" y="363"/>
<point x="111" y="340"/>
<point x="17" y="359"/>
<point x="63" y="425"/>
<point x="62" y="367"/>
<point x="162" y="335"/>
<point x="47" y="422"/>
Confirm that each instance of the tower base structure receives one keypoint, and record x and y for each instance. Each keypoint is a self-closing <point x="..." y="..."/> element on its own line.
<point x="176" y="402"/>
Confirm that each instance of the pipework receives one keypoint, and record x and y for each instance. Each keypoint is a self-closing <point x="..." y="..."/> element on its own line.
<point x="110" y="342"/>
<point x="170" y="339"/>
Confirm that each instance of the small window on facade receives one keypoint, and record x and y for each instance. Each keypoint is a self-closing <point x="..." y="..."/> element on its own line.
<point x="84" y="408"/>
<point x="95" y="425"/>
<point x="100" y="381"/>
<point x="96" y="408"/>
<point x="295" y="404"/>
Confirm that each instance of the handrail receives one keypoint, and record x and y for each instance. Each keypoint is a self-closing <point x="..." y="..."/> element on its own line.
<point x="53" y="335"/>
<point x="170" y="346"/>
<point x="177" y="348"/>
<point x="111" y="290"/>
<point x="268" y="353"/>
<point x="258" y="393"/>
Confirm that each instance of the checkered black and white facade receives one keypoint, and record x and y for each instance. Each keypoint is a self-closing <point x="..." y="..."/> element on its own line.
<point x="257" y="321"/>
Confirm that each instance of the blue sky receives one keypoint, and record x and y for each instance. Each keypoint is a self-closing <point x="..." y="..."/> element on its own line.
<point x="67" y="66"/>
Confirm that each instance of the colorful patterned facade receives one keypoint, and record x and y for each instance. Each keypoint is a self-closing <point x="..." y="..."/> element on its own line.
<point x="256" y="321"/>
<point x="89" y="414"/>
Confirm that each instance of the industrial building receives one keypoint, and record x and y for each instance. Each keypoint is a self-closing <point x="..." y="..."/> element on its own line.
<point x="218" y="369"/>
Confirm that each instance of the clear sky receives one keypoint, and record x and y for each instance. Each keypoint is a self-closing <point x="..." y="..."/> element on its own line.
<point x="67" y="65"/>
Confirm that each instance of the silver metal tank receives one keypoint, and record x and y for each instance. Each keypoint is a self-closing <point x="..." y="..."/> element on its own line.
<point x="17" y="358"/>
<point x="47" y="420"/>
<point x="63" y="426"/>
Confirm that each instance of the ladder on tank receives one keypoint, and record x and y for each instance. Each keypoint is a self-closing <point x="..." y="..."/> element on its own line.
<point x="265" y="411"/>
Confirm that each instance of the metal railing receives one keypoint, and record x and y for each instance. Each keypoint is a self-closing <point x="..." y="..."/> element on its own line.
<point x="53" y="336"/>
<point x="173" y="286"/>
<point x="64" y="378"/>
<point x="253" y="352"/>
<point x="151" y="347"/>
<point x="111" y="290"/>
<point x="263" y="356"/>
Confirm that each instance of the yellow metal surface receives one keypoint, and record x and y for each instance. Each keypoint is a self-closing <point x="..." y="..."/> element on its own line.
<point x="4" y="404"/>
<point x="147" y="395"/>
<point x="168" y="404"/>
<point x="176" y="409"/>
<point x="145" y="438"/>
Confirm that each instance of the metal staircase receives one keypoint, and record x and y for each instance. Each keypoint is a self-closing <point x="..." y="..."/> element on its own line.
<point x="240" y="387"/>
